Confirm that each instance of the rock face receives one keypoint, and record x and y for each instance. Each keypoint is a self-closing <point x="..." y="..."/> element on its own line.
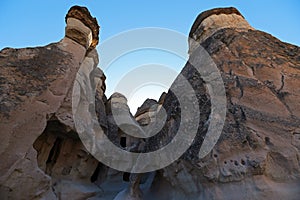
<point x="147" y="111"/>
<point x="41" y="152"/>
<point x="82" y="27"/>
<point x="209" y="22"/>
<point x="121" y="123"/>
<point x="256" y="157"/>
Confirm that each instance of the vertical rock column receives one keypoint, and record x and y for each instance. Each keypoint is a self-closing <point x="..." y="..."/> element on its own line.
<point x="48" y="74"/>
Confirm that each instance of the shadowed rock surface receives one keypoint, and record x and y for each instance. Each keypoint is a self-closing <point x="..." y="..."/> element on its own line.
<point x="256" y="157"/>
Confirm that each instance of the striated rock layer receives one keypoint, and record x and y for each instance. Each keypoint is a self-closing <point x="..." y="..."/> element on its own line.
<point x="256" y="157"/>
<point x="209" y="22"/>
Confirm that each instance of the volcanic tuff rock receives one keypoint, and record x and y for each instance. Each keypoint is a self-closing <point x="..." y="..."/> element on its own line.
<point x="40" y="151"/>
<point x="209" y="22"/>
<point x="82" y="27"/>
<point x="147" y="111"/>
<point x="120" y="121"/>
<point x="256" y="157"/>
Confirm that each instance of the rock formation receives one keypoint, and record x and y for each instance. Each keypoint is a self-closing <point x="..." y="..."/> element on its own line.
<point x="256" y="157"/>
<point x="82" y="29"/>
<point x="42" y="156"/>
<point x="209" y="22"/>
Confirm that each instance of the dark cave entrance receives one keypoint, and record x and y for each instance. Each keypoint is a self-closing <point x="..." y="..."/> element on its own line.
<point x="60" y="153"/>
<point x="48" y="145"/>
<point x="123" y="142"/>
<point x="126" y="176"/>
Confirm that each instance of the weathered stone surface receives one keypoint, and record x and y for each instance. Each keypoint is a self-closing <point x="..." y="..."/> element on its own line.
<point x="257" y="156"/>
<point x="80" y="20"/>
<point x="216" y="11"/>
<point x="209" y="22"/>
<point x="147" y="112"/>
<point x="146" y="106"/>
<point x="36" y="84"/>
<point x="121" y="123"/>
<point x="38" y="76"/>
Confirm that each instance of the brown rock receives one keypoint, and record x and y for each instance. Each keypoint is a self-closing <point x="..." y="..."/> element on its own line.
<point x="215" y="11"/>
<point x="257" y="156"/>
<point x="83" y="15"/>
<point x="36" y="86"/>
<point x="209" y="22"/>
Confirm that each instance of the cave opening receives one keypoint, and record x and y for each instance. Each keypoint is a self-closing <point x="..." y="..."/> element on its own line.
<point x="126" y="176"/>
<point x="95" y="175"/>
<point x="53" y="155"/>
<point x="49" y="144"/>
<point x="123" y="142"/>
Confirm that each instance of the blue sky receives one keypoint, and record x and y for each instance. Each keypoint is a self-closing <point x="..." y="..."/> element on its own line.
<point x="37" y="23"/>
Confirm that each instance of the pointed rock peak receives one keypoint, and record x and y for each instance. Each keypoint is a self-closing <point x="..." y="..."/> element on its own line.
<point x="82" y="27"/>
<point x="209" y="22"/>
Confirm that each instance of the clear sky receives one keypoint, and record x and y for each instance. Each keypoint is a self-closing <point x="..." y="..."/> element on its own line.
<point x="37" y="22"/>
